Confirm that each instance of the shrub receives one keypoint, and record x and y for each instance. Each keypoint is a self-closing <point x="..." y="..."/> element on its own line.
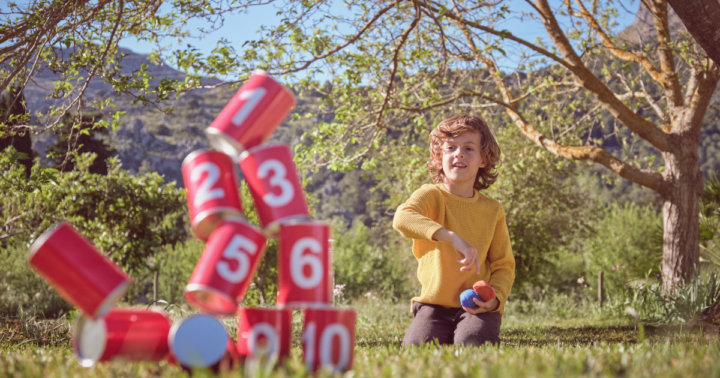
<point x="363" y="267"/>
<point x="623" y="245"/>
<point x="22" y="290"/>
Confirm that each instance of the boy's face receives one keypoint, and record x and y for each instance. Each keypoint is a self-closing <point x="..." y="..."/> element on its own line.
<point x="461" y="158"/>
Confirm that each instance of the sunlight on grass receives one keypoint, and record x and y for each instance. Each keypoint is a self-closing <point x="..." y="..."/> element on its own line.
<point x="537" y="345"/>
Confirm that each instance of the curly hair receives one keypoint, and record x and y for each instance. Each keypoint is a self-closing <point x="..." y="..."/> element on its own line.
<point x="451" y="128"/>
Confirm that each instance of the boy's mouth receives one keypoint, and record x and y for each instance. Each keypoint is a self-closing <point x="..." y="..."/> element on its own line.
<point x="459" y="165"/>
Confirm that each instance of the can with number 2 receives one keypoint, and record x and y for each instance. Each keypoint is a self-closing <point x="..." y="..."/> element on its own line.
<point x="212" y="190"/>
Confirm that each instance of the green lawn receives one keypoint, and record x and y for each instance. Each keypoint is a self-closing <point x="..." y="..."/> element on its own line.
<point x="541" y="345"/>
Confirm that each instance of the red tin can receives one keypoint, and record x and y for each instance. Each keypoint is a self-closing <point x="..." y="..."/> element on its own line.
<point x="329" y="339"/>
<point x="251" y="116"/>
<point x="264" y="333"/>
<point x="212" y="190"/>
<point x="274" y="184"/>
<point x="304" y="265"/>
<point x="226" y="267"/>
<point x="199" y="341"/>
<point x="78" y="271"/>
<point x="124" y="334"/>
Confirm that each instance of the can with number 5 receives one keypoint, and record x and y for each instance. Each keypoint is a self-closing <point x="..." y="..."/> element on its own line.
<point x="251" y="116"/>
<point x="212" y="190"/>
<point x="226" y="267"/>
<point x="304" y="265"/>
<point x="274" y="185"/>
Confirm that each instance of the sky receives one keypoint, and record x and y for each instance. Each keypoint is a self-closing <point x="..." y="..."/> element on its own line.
<point x="242" y="27"/>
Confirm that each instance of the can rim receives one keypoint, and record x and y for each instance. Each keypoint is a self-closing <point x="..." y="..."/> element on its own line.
<point x="173" y="333"/>
<point x="331" y="308"/>
<point x="306" y="305"/>
<point x="244" y="221"/>
<point x="273" y="228"/>
<point x="77" y="328"/>
<point x="222" y="212"/>
<point x="193" y="288"/>
<point x="224" y="143"/>
<point x="195" y="153"/>
<point x="38" y="243"/>
<point x="263" y="146"/>
<point x="259" y="71"/>
<point x="111" y="299"/>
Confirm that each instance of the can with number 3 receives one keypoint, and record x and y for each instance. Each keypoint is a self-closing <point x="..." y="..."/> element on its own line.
<point x="212" y="190"/>
<point x="304" y="265"/>
<point x="274" y="185"/>
<point x="226" y="267"/>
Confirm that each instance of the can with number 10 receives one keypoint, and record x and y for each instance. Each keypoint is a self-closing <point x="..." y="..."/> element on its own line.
<point x="304" y="265"/>
<point x="274" y="185"/>
<point x="212" y="190"/>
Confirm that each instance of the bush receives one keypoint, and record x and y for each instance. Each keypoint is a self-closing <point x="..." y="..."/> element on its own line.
<point x="22" y="290"/>
<point x="688" y="301"/>
<point x="363" y="267"/>
<point x="623" y="246"/>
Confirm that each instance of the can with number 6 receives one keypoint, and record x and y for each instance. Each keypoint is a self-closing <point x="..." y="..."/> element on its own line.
<point x="251" y="116"/>
<point x="212" y="190"/>
<point x="304" y="265"/>
<point x="274" y="185"/>
<point x="226" y="267"/>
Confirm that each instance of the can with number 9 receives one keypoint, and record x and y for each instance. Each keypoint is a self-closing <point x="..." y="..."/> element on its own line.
<point x="251" y="116"/>
<point x="226" y="267"/>
<point x="212" y="190"/>
<point x="274" y="185"/>
<point x="304" y="265"/>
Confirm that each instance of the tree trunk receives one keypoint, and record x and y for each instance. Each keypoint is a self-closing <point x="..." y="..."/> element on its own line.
<point x="700" y="18"/>
<point x="681" y="215"/>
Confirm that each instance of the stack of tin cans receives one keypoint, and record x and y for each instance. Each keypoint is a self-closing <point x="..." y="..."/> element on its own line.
<point x="234" y="248"/>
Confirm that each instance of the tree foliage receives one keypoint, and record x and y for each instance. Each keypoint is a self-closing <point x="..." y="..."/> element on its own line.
<point x="129" y="218"/>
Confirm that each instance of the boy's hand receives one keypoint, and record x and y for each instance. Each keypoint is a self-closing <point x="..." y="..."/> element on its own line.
<point x="482" y="307"/>
<point x="468" y="254"/>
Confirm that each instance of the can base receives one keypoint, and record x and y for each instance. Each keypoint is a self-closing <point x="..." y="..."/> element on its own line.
<point x="210" y="301"/>
<point x="224" y="143"/>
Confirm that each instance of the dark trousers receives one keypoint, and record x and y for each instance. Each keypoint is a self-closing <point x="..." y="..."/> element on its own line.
<point x="451" y="326"/>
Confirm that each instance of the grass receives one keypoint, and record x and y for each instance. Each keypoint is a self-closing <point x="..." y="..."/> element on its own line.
<point x="550" y="342"/>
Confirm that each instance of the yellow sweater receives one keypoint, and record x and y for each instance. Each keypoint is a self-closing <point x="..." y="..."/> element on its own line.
<point x="478" y="220"/>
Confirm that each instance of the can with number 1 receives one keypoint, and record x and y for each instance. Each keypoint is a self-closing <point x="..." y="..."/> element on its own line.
<point x="251" y="116"/>
<point x="212" y="190"/>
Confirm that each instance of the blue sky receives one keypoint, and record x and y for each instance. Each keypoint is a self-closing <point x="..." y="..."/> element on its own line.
<point x="241" y="27"/>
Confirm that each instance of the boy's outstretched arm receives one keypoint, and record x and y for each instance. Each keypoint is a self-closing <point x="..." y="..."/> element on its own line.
<point x="502" y="262"/>
<point x="414" y="218"/>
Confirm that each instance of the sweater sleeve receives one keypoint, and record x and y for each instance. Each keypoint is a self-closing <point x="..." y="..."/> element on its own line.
<point x="413" y="219"/>
<point x="502" y="262"/>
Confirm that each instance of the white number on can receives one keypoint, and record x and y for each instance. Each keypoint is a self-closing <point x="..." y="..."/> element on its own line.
<point x="278" y="179"/>
<point x="328" y="334"/>
<point x="272" y="346"/>
<point x="298" y="261"/>
<point x="253" y="97"/>
<point x="238" y="249"/>
<point x="204" y="191"/>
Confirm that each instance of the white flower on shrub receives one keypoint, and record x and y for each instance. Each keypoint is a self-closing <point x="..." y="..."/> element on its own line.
<point x="581" y="280"/>
<point x="338" y="290"/>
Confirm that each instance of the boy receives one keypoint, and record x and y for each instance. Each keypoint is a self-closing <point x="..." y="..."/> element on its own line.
<point x="459" y="237"/>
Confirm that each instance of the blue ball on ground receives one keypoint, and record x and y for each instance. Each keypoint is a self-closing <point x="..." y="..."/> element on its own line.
<point x="466" y="298"/>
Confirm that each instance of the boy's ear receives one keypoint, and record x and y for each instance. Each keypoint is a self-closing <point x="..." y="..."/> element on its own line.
<point x="483" y="162"/>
